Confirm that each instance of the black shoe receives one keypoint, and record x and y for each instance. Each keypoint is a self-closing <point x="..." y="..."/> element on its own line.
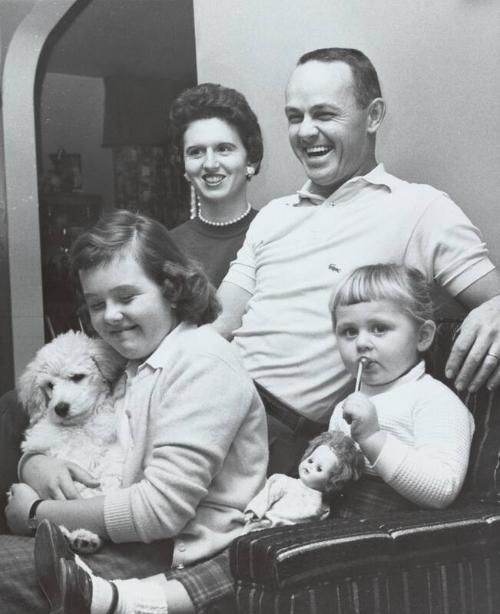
<point x="50" y="547"/>
<point x="75" y="589"/>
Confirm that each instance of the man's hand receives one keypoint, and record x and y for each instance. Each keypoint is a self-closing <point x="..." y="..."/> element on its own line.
<point x="54" y="479"/>
<point x="21" y="499"/>
<point x="361" y="414"/>
<point x="475" y="356"/>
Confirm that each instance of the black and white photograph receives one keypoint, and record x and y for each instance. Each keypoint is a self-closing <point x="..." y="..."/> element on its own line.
<point x="249" y="307"/>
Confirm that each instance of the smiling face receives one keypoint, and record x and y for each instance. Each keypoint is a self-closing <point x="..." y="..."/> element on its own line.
<point x="215" y="161"/>
<point x="127" y="308"/>
<point x="328" y="131"/>
<point x="386" y="336"/>
<point x="317" y="468"/>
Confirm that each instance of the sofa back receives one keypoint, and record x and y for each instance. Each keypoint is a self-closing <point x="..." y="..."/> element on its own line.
<point x="483" y="477"/>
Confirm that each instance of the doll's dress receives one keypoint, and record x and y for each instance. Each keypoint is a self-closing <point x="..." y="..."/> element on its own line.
<point x="284" y="501"/>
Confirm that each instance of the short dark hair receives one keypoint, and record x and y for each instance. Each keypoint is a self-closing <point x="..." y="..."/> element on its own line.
<point x="364" y="75"/>
<point x="182" y="282"/>
<point x="209" y="100"/>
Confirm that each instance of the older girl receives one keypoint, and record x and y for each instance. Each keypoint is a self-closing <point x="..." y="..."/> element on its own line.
<point x="193" y="424"/>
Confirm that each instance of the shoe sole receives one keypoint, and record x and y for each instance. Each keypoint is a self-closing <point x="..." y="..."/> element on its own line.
<point x="50" y="546"/>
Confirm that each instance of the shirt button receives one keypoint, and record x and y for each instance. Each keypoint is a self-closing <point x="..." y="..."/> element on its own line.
<point x="181" y="547"/>
<point x="179" y="566"/>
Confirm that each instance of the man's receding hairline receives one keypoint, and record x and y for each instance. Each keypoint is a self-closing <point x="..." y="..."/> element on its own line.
<point x="352" y="84"/>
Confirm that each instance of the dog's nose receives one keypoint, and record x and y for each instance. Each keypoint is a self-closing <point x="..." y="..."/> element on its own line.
<point x="62" y="409"/>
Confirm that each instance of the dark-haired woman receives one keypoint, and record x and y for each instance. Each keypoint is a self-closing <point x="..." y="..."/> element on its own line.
<point x="218" y="144"/>
<point x="191" y="422"/>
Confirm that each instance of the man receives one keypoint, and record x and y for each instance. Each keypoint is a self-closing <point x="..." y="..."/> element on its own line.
<point x="349" y="213"/>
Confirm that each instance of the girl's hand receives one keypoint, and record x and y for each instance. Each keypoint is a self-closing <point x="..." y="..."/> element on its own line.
<point x="54" y="479"/>
<point x="361" y="414"/>
<point x="17" y="511"/>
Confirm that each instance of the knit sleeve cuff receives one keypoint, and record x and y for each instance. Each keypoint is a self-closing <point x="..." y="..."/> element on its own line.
<point x="118" y="518"/>
<point x="390" y="458"/>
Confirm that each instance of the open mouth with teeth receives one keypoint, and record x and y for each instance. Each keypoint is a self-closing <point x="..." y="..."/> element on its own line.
<point x="213" y="180"/>
<point x="318" y="151"/>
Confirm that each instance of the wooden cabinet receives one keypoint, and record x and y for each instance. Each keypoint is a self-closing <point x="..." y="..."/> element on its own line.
<point x="63" y="216"/>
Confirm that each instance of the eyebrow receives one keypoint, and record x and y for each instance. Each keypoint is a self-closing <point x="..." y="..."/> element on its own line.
<point x="317" y="107"/>
<point x="120" y="288"/>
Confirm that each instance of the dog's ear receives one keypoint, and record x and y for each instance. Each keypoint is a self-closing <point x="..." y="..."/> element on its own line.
<point x="109" y="362"/>
<point x="30" y="392"/>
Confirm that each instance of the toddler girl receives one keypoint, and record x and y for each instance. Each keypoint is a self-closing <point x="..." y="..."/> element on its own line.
<point x="415" y="432"/>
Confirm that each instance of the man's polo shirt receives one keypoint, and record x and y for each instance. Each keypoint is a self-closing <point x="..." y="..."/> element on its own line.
<point x="300" y="246"/>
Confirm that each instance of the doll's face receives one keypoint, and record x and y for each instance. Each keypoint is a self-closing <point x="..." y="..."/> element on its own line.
<point x="316" y="469"/>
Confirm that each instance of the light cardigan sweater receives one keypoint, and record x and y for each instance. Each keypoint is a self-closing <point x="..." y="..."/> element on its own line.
<point x="197" y="439"/>
<point x="429" y="432"/>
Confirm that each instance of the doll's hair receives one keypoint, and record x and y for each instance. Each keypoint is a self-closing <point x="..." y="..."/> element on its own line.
<point x="350" y="457"/>
<point x="402" y="285"/>
<point x="182" y="282"/>
<point x="211" y="100"/>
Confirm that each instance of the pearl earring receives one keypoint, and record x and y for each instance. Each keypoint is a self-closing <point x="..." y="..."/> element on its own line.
<point x="193" y="207"/>
<point x="250" y="172"/>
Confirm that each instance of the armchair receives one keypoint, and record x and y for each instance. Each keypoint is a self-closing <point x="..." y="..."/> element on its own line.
<point x="423" y="561"/>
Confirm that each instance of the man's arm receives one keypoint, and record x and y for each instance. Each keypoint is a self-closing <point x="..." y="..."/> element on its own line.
<point x="475" y="357"/>
<point x="234" y="302"/>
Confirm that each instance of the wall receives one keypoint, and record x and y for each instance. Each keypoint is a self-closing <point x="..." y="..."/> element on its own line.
<point x="11" y="14"/>
<point x="71" y="116"/>
<point x="439" y="65"/>
<point x="20" y="168"/>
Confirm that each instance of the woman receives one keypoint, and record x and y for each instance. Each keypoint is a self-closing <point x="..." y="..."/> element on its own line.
<point x="192" y="423"/>
<point x="218" y="143"/>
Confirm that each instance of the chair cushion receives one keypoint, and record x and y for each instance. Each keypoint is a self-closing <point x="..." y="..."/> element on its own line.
<point x="340" y="548"/>
<point x="425" y="561"/>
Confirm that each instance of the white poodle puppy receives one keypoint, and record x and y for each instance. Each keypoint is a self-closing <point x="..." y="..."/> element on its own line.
<point x="67" y="390"/>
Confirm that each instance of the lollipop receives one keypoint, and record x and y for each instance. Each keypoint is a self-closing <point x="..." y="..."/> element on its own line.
<point x="362" y="362"/>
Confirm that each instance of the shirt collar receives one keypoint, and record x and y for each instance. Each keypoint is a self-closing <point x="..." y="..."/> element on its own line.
<point x="412" y="375"/>
<point x="376" y="177"/>
<point x="158" y="357"/>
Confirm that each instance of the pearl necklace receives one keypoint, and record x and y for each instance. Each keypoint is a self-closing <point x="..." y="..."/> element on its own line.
<point x="228" y="222"/>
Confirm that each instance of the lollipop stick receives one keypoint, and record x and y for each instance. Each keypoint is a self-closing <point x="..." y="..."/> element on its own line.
<point x="362" y="362"/>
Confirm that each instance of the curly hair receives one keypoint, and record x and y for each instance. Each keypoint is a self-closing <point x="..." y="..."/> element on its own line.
<point x="182" y="282"/>
<point x="209" y="100"/>
<point x="403" y="285"/>
<point x="364" y="75"/>
<point x="350" y="457"/>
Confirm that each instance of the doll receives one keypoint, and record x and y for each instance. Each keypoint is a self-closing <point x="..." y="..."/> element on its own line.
<point x="329" y="462"/>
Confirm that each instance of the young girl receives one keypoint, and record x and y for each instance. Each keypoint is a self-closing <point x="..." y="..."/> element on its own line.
<point x="414" y="431"/>
<point x="191" y="420"/>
